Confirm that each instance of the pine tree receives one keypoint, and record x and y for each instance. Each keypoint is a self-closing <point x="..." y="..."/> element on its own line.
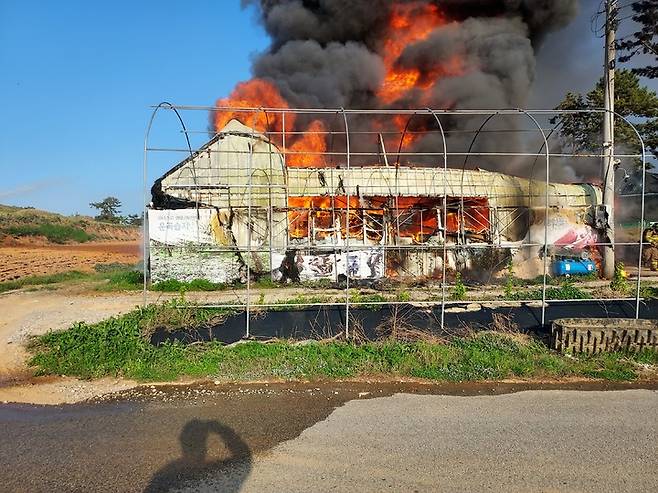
<point x="644" y="40"/>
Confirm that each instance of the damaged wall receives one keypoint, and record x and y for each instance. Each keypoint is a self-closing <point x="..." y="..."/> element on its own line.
<point x="235" y="204"/>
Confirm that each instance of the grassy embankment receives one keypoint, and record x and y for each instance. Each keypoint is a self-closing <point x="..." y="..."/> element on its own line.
<point x="120" y="347"/>
<point x="107" y="277"/>
<point x="21" y="222"/>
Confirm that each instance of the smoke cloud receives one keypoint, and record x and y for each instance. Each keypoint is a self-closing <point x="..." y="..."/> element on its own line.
<point x="459" y="54"/>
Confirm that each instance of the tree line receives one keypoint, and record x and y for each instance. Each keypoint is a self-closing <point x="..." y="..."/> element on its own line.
<point x="110" y="212"/>
<point x="581" y="132"/>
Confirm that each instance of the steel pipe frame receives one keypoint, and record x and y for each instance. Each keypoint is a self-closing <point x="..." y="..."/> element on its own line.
<point x="484" y="303"/>
<point x="347" y="227"/>
<point x="145" y="199"/>
<point x="375" y="154"/>
<point x="445" y="216"/>
<point x="434" y="113"/>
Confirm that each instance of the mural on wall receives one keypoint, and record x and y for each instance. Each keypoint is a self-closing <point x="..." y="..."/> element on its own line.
<point x="294" y="266"/>
<point x="565" y="232"/>
<point x="578" y="238"/>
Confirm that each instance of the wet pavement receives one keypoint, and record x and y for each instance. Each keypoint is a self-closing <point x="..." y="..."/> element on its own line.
<point x="158" y="437"/>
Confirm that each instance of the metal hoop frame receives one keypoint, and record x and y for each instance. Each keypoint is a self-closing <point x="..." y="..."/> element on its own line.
<point x="436" y="114"/>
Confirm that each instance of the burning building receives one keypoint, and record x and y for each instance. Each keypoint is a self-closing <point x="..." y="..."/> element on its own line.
<point x="273" y="193"/>
<point x="237" y="206"/>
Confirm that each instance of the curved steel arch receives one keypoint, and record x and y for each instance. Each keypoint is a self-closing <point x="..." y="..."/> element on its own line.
<point x="644" y="172"/>
<point x="445" y="216"/>
<point x="169" y="106"/>
<point x="461" y="184"/>
<point x="404" y="132"/>
<point x="644" y="179"/>
<point x="547" y="200"/>
<point x="546" y="206"/>
<point x="347" y="224"/>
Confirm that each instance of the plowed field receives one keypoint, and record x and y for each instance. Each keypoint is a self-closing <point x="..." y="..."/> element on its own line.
<point x="29" y="260"/>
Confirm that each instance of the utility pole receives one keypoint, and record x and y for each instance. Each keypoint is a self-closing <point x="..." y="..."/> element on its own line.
<point x="609" y="136"/>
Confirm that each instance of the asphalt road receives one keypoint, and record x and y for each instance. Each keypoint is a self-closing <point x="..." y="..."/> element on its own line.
<point x="336" y="437"/>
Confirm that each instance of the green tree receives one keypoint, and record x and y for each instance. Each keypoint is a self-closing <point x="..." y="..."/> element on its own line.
<point x="582" y="132"/>
<point x="133" y="220"/>
<point x="644" y="40"/>
<point x="109" y="210"/>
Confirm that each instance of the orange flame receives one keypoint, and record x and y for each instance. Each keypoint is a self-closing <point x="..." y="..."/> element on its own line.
<point x="409" y="23"/>
<point x="254" y="94"/>
<point x="323" y="211"/>
<point x="310" y="145"/>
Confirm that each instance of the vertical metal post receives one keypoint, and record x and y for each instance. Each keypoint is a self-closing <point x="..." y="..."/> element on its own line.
<point x="609" y="137"/>
<point x="397" y="204"/>
<point x="285" y="177"/>
<point x="145" y="232"/>
<point x="545" y="266"/>
<point x="346" y="182"/>
<point x="270" y="212"/>
<point x="546" y="214"/>
<point x="249" y="227"/>
<point x="335" y="231"/>
<point x="283" y="137"/>
<point x="638" y="287"/>
<point x="145" y="244"/>
<point x="445" y="217"/>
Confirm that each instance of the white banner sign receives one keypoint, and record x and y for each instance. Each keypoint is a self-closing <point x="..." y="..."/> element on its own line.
<point x="179" y="226"/>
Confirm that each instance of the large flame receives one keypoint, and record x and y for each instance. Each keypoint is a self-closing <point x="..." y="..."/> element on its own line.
<point x="307" y="151"/>
<point x="255" y="93"/>
<point x="409" y="23"/>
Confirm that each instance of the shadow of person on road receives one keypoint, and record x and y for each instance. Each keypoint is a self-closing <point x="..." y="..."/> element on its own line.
<point x="194" y="464"/>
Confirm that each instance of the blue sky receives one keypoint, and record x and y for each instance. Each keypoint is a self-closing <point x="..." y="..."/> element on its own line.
<point x="77" y="79"/>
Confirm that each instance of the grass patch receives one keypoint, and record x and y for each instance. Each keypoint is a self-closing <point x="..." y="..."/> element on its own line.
<point x="56" y="233"/>
<point x="649" y="292"/>
<point x="128" y="280"/>
<point x="73" y="275"/>
<point x="120" y="347"/>
<point x="116" y="277"/>
<point x="370" y="301"/>
<point x="176" y="286"/>
<point x="299" y="302"/>
<point x="566" y="291"/>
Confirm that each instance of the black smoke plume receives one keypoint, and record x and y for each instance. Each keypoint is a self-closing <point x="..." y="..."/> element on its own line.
<point x="328" y="53"/>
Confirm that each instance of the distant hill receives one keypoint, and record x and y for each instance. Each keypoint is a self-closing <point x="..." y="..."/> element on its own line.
<point x="34" y="225"/>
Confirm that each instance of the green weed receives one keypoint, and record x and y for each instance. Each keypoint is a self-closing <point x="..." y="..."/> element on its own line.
<point x="120" y="346"/>
<point x="404" y="296"/>
<point x="130" y="280"/>
<point x="176" y="286"/>
<point x="56" y="233"/>
<point x="566" y="291"/>
<point x="118" y="277"/>
<point x="367" y="301"/>
<point x="458" y="291"/>
<point x="619" y="281"/>
<point x="42" y="280"/>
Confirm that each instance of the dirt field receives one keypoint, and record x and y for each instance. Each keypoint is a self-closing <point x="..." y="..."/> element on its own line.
<point x="39" y="259"/>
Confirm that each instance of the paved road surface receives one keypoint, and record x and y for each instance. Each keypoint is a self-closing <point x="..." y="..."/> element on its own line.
<point x="336" y="437"/>
<point x="531" y="441"/>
